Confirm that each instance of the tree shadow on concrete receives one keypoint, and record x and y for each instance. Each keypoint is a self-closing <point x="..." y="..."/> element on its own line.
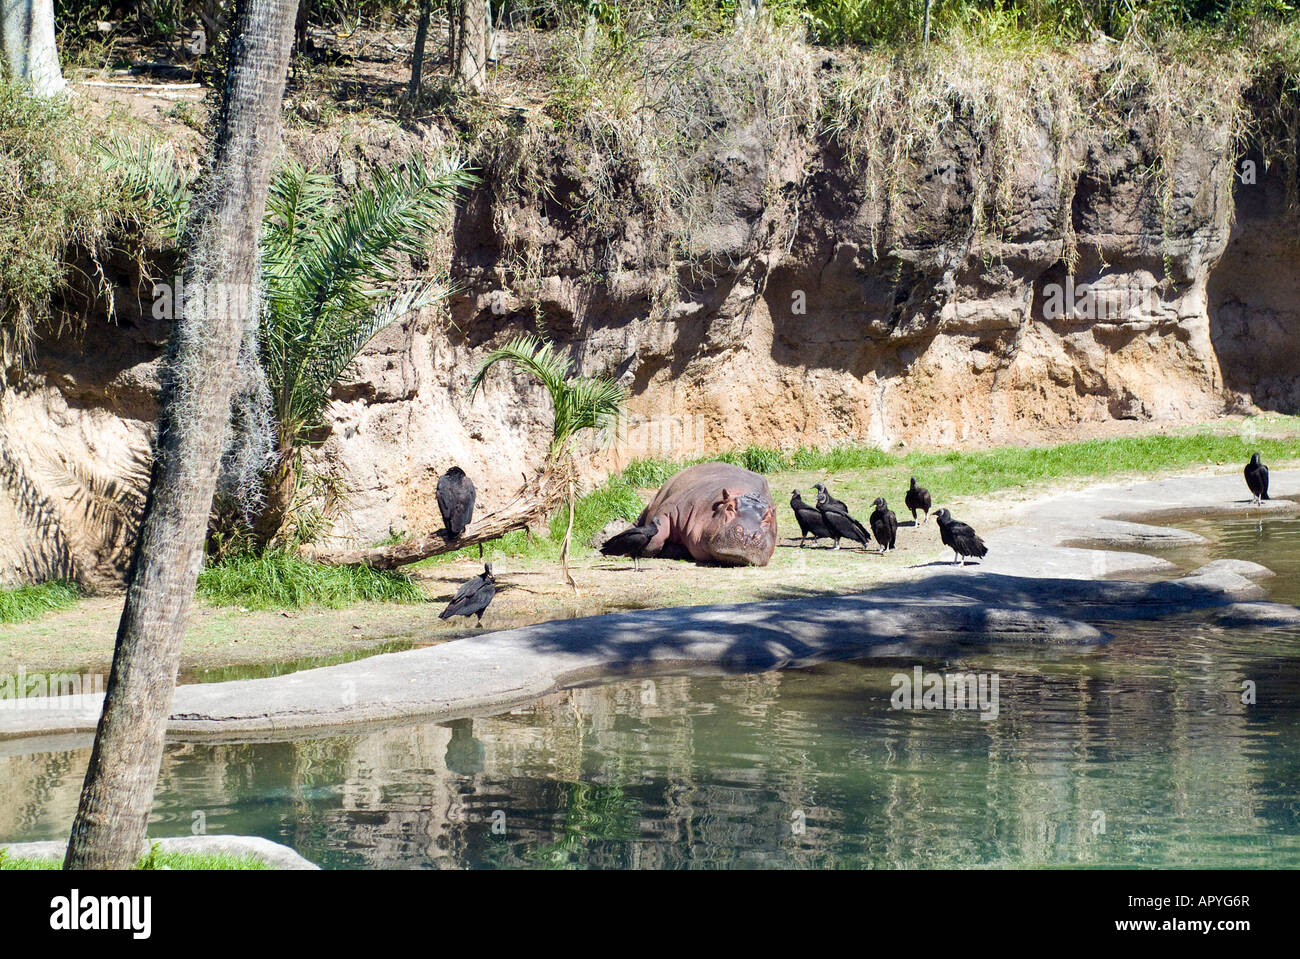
<point x="942" y="611"/>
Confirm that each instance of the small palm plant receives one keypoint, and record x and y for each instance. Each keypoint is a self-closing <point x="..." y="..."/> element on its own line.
<point x="329" y="279"/>
<point x="581" y="403"/>
<point x="328" y="274"/>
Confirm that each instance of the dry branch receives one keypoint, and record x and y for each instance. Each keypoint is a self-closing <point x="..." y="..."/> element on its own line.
<point x="535" y="499"/>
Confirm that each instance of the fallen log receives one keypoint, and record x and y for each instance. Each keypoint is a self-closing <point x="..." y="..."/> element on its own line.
<point x="534" y="500"/>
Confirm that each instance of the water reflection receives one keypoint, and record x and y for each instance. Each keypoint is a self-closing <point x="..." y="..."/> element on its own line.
<point x="1139" y="754"/>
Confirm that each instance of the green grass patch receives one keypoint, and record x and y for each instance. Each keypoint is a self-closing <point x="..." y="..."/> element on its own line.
<point x="277" y="579"/>
<point x="155" y="860"/>
<point x="616" y="499"/>
<point x="947" y="474"/>
<point x="28" y="602"/>
<point x="959" y="473"/>
<point x="987" y="471"/>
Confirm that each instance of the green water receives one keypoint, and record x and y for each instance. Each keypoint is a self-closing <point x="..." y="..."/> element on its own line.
<point x="1136" y="753"/>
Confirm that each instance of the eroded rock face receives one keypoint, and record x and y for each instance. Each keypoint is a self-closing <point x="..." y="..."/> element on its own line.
<point x="804" y="315"/>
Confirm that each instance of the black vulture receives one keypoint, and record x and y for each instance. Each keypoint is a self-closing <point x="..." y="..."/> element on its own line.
<point x="631" y="542"/>
<point x="959" y="537"/>
<point x="472" y="598"/>
<point x="837" y="519"/>
<point x="826" y="501"/>
<point x="1257" y="479"/>
<point x="884" y="525"/>
<point x="456" y="495"/>
<point x="810" y="520"/>
<point x="918" y="497"/>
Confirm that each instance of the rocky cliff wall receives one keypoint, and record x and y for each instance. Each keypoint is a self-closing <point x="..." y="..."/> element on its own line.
<point x="1126" y="272"/>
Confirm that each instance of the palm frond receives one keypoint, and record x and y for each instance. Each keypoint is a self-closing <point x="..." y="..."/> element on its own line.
<point x="535" y="355"/>
<point x="298" y="199"/>
<point x="325" y="271"/>
<point x="151" y="174"/>
<point x="580" y="402"/>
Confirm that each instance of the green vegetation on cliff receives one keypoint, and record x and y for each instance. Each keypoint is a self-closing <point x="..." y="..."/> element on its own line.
<point x="57" y="203"/>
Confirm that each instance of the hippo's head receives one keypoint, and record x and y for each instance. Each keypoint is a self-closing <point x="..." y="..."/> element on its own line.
<point x="742" y="530"/>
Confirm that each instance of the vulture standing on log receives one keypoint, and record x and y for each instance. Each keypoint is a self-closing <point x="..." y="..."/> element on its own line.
<point x="472" y="598"/>
<point x="837" y="519"/>
<point x="455" y="500"/>
<point x="810" y="520"/>
<point x="884" y="524"/>
<point x="631" y="542"/>
<point x="959" y="537"/>
<point x="918" y="497"/>
<point x="456" y="495"/>
<point x="1257" y="479"/>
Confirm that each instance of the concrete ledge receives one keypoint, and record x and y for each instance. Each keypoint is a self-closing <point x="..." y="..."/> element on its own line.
<point x="274" y="855"/>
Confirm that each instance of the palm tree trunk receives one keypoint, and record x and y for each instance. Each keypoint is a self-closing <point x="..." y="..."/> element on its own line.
<point x="568" y="535"/>
<point x="222" y="261"/>
<point x="279" y="489"/>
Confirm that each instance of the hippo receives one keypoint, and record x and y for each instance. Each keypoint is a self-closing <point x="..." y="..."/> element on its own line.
<point x="715" y="513"/>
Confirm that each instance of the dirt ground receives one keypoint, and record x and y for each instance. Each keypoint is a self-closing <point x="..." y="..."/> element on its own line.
<point x="228" y="642"/>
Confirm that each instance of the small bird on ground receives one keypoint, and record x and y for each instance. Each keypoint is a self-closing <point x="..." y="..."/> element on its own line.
<point x="810" y="520"/>
<point x="473" y="597"/>
<point x="884" y="525"/>
<point x="456" y="496"/>
<point x="1257" y="479"/>
<point x="917" y="497"/>
<point x="837" y="519"/>
<point x="959" y="537"/>
<point x="631" y="542"/>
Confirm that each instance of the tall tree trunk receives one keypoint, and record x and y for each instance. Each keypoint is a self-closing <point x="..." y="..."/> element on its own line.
<point x="475" y="43"/>
<point x="748" y="11"/>
<point x="417" y="58"/>
<point x="453" y="35"/>
<point x="27" y="41"/>
<point x="222" y="263"/>
<point x="568" y="537"/>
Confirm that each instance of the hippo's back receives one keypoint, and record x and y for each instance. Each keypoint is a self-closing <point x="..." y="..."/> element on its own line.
<point x="699" y="487"/>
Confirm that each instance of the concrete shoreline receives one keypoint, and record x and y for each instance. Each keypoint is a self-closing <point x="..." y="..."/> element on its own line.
<point x="272" y="854"/>
<point x="1039" y="586"/>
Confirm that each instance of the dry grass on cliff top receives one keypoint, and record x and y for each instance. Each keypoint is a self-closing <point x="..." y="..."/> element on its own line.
<point x="56" y="199"/>
<point x="641" y="122"/>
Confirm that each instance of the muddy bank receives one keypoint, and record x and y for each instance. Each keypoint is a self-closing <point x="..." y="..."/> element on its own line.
<point x="234" y="643"/>
<point x="1033" y="589"/>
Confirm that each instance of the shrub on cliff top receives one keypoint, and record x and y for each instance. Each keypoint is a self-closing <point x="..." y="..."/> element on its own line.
<point x="54" y="195"/>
